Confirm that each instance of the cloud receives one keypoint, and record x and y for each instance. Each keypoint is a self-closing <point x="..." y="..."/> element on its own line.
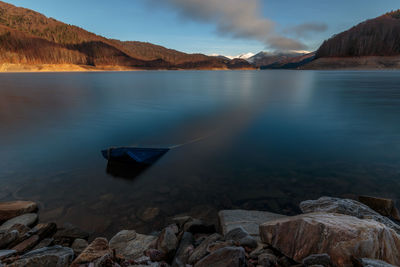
<point x="306" y="29"/>
<point x="235" y="18"/>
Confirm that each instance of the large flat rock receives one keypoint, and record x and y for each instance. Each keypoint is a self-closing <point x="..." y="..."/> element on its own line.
<point x="346" y="207"/>
<point x="9" y="210"/>
<point x="250" y="220"/>
<point x="340" y="236"/>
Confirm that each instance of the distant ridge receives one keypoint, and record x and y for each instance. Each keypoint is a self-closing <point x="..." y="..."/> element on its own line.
<point x="28" y="38"/>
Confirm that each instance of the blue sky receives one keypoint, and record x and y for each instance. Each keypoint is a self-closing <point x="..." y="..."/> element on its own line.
<point x="168" y="25"/>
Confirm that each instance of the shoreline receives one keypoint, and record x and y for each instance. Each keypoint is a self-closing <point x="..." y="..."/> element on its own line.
<point x="241" y="238"/>
<point x="72" y="68"/>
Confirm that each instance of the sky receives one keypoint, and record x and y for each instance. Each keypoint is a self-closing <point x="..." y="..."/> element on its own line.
<point x="225" y="27"/>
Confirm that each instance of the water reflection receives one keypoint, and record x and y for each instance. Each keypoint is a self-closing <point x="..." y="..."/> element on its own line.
<point x="273" y="139"/>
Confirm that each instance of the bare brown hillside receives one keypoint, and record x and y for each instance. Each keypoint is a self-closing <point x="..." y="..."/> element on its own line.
<point x="28" y="37"/>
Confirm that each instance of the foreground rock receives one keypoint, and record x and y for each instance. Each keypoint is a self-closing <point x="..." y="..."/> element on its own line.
<point x="224" y="257"/>
<point x="383" y="206"/>
<point x="9" y="210"/>
<point x="130" y="244"/>
<point x="56" y="256"/>
<point x="248" y="219"/>
<point x="28" y="220"/>
<point x="347" y="207"/>
<point x="371" y="263"/>
<point x="94" y="253"/>
<point x="317" y="233"/>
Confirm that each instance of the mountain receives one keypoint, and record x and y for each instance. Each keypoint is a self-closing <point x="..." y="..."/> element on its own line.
<point x="293" y="62"/>
<point x="30" y="40"/>
<point x="264" y="59"/>
<point x="374" y="43"/>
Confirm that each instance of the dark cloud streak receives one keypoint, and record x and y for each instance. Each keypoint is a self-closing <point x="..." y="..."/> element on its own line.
<point x="236" y="18"/>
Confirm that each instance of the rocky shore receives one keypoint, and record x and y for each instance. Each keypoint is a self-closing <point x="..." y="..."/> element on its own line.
<point x="330" y="232"/>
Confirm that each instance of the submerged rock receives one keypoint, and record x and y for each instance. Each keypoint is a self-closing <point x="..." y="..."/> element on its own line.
<point x="50" y="256"/>
<point x="224" y="257"/>
<point x="196" y="226"/>
<point x="250" y="220"/>
<point x="383" y="206"/>
<point x="28" y="220"/>
<point x="317" y="233"/>
<point x="346" y="207"/>
<point x="98" y="249"/>
<point x="9" y="210"/>
<point x="130" y="244"/>
<point x="68" y="233"/>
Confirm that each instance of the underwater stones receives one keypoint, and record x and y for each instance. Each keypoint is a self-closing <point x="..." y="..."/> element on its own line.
<point x="68" y="233"/>
<point x="148" y="214"/>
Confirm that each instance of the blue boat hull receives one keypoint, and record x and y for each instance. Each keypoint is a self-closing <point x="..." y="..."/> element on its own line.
<point x="142" y="156"/>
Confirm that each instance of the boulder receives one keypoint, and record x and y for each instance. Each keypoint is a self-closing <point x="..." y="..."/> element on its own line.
<point x="28" y="219"/>
<point x="184" y="251"/>
<point x="9" y="210"/>
<point x="346" y="207"/>
<point x="383" y="206"/>
<point x="371" y="263"/>
<point x="318" y="259"/>
<point x="27" y="244"/>
<point x="167" y="241"/>
<point x="318" y="233"/>
<point x="130" y="244"/>
<point x="250" y="220"/>
<point x="148" y="214"/>
<point x="267" y="260"/>
<point x="79" y="245"/>
<point x="224" y="257"/>
<point x="201" y="251"/>
<point x="155" y="255"/>
<point x="242" y="238"/>
<point x="6" y="253"/>
<point x="98" y="249"/>
<point x="7" y="237"/>
<point x="50" y="256"/>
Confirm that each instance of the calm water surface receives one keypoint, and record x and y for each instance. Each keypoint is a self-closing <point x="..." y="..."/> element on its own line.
<point x="267" y="140"/>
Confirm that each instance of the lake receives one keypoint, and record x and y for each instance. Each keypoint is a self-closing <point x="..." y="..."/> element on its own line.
<point x="252" y="140"/>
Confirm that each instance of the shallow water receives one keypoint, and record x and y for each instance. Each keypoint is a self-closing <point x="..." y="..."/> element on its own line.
<point x="267" y="140"/>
